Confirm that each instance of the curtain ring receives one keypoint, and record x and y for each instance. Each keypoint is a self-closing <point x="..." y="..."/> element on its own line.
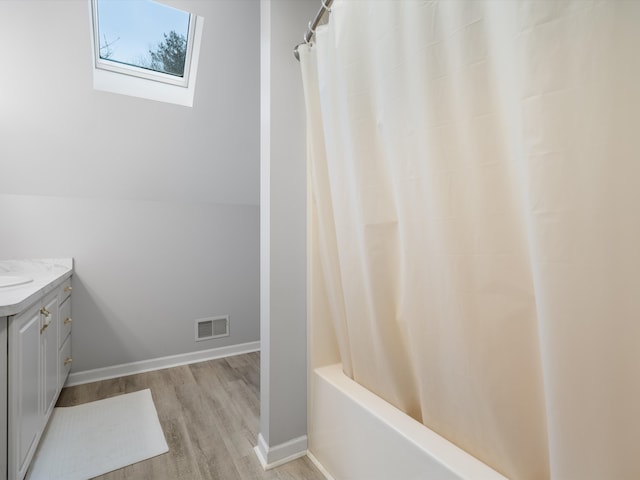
<point x="325" y="6"/>
<point x="310" y="32"/>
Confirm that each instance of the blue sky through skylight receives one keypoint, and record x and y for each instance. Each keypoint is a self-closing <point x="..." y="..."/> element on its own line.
<point x="133" y="27"/>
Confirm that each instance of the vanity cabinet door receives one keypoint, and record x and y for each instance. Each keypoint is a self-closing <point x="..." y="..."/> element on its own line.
<point x="25" y="407"/>
<point x="49" y="339"/>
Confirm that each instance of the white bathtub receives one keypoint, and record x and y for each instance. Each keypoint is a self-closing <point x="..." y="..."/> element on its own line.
<point x="355" y="435"/>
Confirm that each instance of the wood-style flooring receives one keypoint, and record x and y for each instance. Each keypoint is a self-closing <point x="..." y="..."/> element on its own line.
<point x="209" y="412"/>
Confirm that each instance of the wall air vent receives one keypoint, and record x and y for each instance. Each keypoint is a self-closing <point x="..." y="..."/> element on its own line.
<point x="212" y="327"/>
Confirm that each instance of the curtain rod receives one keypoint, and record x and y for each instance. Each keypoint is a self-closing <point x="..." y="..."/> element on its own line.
<point x="311" y="29"/>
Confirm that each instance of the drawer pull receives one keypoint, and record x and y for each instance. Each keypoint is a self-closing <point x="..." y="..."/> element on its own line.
<point x="45" y="312"/>
<point x="68" y="321"/>
<point x="68" y="361"/>
<point x="44" y="327"/>
<point x="68" y="288"/>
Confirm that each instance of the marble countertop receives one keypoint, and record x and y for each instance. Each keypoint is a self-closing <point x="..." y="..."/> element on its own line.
<point x="45" y="276"/>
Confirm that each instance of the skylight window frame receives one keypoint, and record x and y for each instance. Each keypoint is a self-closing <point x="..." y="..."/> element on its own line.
<point x="135" y="71"/>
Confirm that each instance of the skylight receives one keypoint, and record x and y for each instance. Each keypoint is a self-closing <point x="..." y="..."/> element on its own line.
<point x="148" y="40"/>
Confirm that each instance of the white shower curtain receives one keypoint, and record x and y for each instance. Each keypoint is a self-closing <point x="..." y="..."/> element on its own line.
<point x="475" y="221"/>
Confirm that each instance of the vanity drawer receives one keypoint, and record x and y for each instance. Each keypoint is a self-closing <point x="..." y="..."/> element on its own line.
<point x="65" y="290"/>
<point x="65" y="322"/>
<point x="64" y="357"/>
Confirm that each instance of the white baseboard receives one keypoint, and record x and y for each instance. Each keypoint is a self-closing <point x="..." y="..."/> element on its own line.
<point x="319" y="466"/>
<point x="271" y="457"/>
<point x="261" y="451"/>
<point x="88" y="376"/>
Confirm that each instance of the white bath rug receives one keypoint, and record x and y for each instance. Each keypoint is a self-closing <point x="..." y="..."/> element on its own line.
<point x="92" y="439"/>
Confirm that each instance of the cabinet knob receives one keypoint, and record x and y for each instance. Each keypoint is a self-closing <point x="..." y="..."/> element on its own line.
<point x="68" y="288"/>
<point x="67" y="321"/>
<point x="68" y="360"/>
<point x="45" y="312"/>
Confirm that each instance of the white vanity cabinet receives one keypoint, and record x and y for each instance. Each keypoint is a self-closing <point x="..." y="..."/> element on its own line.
<point x="39" y="356"/>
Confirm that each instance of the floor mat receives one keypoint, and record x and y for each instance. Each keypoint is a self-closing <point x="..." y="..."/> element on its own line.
<point x="94" y="438"/>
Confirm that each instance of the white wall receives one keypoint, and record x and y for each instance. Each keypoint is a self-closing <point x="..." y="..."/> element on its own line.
<point x="283" y="423"/>
<point x="158" y="203"/>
